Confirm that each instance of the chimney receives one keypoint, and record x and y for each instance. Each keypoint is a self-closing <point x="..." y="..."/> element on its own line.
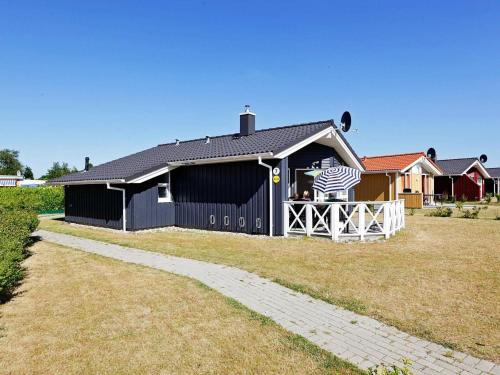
<point x="247" y="122"/>
<point x="87" y="163"/>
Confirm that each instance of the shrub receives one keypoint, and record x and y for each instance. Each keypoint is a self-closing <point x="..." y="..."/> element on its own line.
<point x="392" y="370"/>
<point x="440" y="212"/>
<point x="16" y="227"/>
<point x="463" y="198"/>
<point x="460" y="205"/>
<point x="498" y="198"/>
<point x="411" y="212"/>
<point x="487" y="198"/>
<point x="472" y="214"/>
<point x="46" y="198"/>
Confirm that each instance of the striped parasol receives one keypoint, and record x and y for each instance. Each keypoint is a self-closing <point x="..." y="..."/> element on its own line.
<point x="337" y="179"/>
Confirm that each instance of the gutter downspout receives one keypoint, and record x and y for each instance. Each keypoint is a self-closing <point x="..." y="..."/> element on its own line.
<point x="390" y="181"/>
<point x="270" y="194"/>
<point x="124" y="204"/>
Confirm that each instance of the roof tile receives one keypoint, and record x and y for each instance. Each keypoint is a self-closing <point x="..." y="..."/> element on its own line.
<point x="391" y="162"/>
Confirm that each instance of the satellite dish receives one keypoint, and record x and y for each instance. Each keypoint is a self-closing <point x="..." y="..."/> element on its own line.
<point x="345" y="121"/>
<point x="431" y="153"/>
<point x="483" y="158"/>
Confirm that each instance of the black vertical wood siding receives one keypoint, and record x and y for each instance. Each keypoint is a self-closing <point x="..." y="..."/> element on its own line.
<point x="238" y="191"/>
<point x="93" y="205"/>
<point x="313" y="155"/>
<point x="280" y="194"/>
<point x="146" y="211"/>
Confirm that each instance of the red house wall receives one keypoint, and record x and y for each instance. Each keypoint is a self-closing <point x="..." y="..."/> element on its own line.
<point x="467" y="185"/>
<point x="462" y="185"/>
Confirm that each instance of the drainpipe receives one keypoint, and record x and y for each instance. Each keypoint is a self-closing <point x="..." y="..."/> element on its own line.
<point x="390" y="181"/>
<point x="270" y="194"/>
<point x="124" y="204"/>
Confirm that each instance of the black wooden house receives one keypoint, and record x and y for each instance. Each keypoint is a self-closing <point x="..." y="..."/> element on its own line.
<point x="234" y="182"/>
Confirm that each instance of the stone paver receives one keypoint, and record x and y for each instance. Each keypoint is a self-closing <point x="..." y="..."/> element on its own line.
<point x="365" y="343"/>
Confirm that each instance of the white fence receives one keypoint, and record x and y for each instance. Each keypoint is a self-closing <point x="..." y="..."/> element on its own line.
<point x="344" y="220"/>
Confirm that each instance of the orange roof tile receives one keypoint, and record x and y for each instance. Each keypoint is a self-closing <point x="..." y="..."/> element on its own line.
<point x="391" y="162"/>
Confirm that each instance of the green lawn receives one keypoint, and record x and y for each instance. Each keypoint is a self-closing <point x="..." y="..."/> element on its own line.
<point x="439" y="279"/>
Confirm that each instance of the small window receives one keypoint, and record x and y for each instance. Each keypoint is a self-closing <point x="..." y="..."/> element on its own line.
<point x="164" y="194"/>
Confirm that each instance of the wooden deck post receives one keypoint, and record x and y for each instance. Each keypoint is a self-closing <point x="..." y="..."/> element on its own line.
<point x="286" y="219"/>
<point x="334" y="221"/>
<point x="309" y="219"/>
<point x="361" y="221"/>
<point x="401" y="214"/>
<point x="387" y="220"/>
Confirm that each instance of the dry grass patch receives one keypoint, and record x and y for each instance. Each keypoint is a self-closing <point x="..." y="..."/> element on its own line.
<point x="78" y="313"/>
<point x="439" y="279"/>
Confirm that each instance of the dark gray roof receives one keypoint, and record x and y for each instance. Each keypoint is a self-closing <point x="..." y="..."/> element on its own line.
<point x="494" y="172"/>
<point x="455" y="166"/>
<point x="262" y="141"/>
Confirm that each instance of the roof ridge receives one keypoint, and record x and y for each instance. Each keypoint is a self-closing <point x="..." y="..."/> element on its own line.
<point x="476" y="158"/>
<point x="393" y="155"/>
<point x="257" y="131"/>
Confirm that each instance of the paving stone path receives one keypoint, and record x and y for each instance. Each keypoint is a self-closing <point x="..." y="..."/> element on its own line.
<point x="355" y="338"/>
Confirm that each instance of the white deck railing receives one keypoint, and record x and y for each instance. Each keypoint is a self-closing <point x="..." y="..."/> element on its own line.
<point x="344" y="220"/>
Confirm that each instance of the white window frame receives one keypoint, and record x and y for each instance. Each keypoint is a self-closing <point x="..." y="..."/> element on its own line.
<point x="166" y="185"/>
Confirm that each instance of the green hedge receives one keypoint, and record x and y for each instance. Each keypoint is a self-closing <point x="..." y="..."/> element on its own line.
<point x="46" y="198"/>
<point x="16" y="226"/>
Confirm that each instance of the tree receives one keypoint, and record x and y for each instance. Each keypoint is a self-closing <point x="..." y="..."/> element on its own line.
<point x="58" y="170"/>
<point x="28" y="173"/>
<point x="9" y="162"/>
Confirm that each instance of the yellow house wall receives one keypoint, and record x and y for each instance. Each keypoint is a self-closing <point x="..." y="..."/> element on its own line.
<point x="375" y="187"/>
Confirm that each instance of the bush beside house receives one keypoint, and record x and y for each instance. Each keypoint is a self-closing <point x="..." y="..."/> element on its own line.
<point x="40" y="199"/>
<point x="16" y="226"/>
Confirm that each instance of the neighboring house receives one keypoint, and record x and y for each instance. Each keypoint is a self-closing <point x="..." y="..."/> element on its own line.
<point x="10" y="180"/>
<point x="401" y="176"/>
<point x="234" y="182"/>
<point x="493" y="183"/>
<point x="462" y="178"/>
<point x="32" y="183"/>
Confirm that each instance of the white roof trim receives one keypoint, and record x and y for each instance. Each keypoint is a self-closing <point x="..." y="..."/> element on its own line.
<point x="330" y="133"/>
<point x="265" y="155"/>
<point x="88" y="182"/>
<point x="150" y="175"/>
<point x="10" y="177"/>
<point x="480" y="166"/>
<point x="427" y="165"/>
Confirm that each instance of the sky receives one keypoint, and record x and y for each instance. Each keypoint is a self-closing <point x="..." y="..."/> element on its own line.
<point x="105" y="79"/>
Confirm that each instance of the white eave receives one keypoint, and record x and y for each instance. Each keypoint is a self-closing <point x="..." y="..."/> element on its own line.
<point x="11" y="177"/>
<point x="426" y="164"/>
<point x="225" y="159"/>
<point x="89" y="182"/>
<point x="479" y="166"/>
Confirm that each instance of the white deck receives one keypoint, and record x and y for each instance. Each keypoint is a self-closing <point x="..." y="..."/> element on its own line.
<point x="344" y="220"/>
